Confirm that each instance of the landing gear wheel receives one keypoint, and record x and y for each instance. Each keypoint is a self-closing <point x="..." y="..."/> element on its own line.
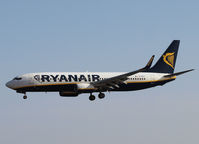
<point x="25" y="97"/>
<point x="91" y="97"/>
<point x="101" y="95"/>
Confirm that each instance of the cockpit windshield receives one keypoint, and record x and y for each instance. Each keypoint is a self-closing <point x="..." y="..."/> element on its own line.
<point x="17" y="78"/>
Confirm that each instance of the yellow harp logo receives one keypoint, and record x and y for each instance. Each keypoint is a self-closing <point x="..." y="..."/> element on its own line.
<point x="169" y="59"/>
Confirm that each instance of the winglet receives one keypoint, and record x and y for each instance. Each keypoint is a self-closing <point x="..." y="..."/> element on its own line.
<point x="149" y="63"/>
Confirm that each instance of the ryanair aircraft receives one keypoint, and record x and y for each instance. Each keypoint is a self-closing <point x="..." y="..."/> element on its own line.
<point x="71" y="84"/>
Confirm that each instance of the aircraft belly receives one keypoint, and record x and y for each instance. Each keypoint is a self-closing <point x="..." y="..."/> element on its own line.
<point x="50" y="88"/>
<point x="131" y="86"/>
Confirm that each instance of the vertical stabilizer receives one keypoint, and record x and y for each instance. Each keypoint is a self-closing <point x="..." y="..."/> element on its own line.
<point x="166" y="63"/>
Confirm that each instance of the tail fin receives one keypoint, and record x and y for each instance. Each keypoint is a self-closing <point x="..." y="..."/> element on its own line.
<point x="166" y="63"/>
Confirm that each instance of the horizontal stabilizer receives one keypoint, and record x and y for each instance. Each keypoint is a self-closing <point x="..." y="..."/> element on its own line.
<point x="179" y="73"/>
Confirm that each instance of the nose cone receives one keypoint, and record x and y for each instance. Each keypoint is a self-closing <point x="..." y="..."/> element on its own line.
<point x="9" y="84"/>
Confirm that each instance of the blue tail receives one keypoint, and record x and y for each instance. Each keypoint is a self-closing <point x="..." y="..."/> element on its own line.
<point x="166" y="63"/>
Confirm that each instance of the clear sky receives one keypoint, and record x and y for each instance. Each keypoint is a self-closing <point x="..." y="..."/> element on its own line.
<point x="103" y="35"/>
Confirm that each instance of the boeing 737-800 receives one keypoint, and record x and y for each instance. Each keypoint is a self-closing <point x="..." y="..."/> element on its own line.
<point x="71" y="84"/>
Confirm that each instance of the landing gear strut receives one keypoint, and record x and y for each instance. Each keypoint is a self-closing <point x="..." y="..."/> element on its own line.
<point x="91" y="97"/>
<point x="101" y="95"/>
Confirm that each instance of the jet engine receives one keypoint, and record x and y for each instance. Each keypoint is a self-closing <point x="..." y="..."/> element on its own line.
<point x="68" y="94"/>
<point x="75" y="90"/>
<point x="69" y="91"/>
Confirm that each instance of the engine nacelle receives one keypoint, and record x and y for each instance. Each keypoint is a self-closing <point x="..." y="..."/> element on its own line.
<point x="68" y="94"/>
<point x="76" y="90"/>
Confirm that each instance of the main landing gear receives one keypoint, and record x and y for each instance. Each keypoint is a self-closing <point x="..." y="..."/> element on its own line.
<point x="100" y="96"/>
<point x="91" y="97"/>
<point x="25" y="96"/>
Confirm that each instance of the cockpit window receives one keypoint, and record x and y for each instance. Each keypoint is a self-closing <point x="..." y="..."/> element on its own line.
<point x="17" y="78"/>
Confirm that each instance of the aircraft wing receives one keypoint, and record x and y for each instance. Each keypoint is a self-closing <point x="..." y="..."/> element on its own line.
<point x="114" y="82"/>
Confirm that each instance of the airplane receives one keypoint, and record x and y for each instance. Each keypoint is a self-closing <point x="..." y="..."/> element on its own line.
<point x="71" y="84"/>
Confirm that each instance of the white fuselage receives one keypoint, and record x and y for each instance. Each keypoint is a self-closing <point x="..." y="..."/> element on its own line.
<point x="82" y="79"/>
